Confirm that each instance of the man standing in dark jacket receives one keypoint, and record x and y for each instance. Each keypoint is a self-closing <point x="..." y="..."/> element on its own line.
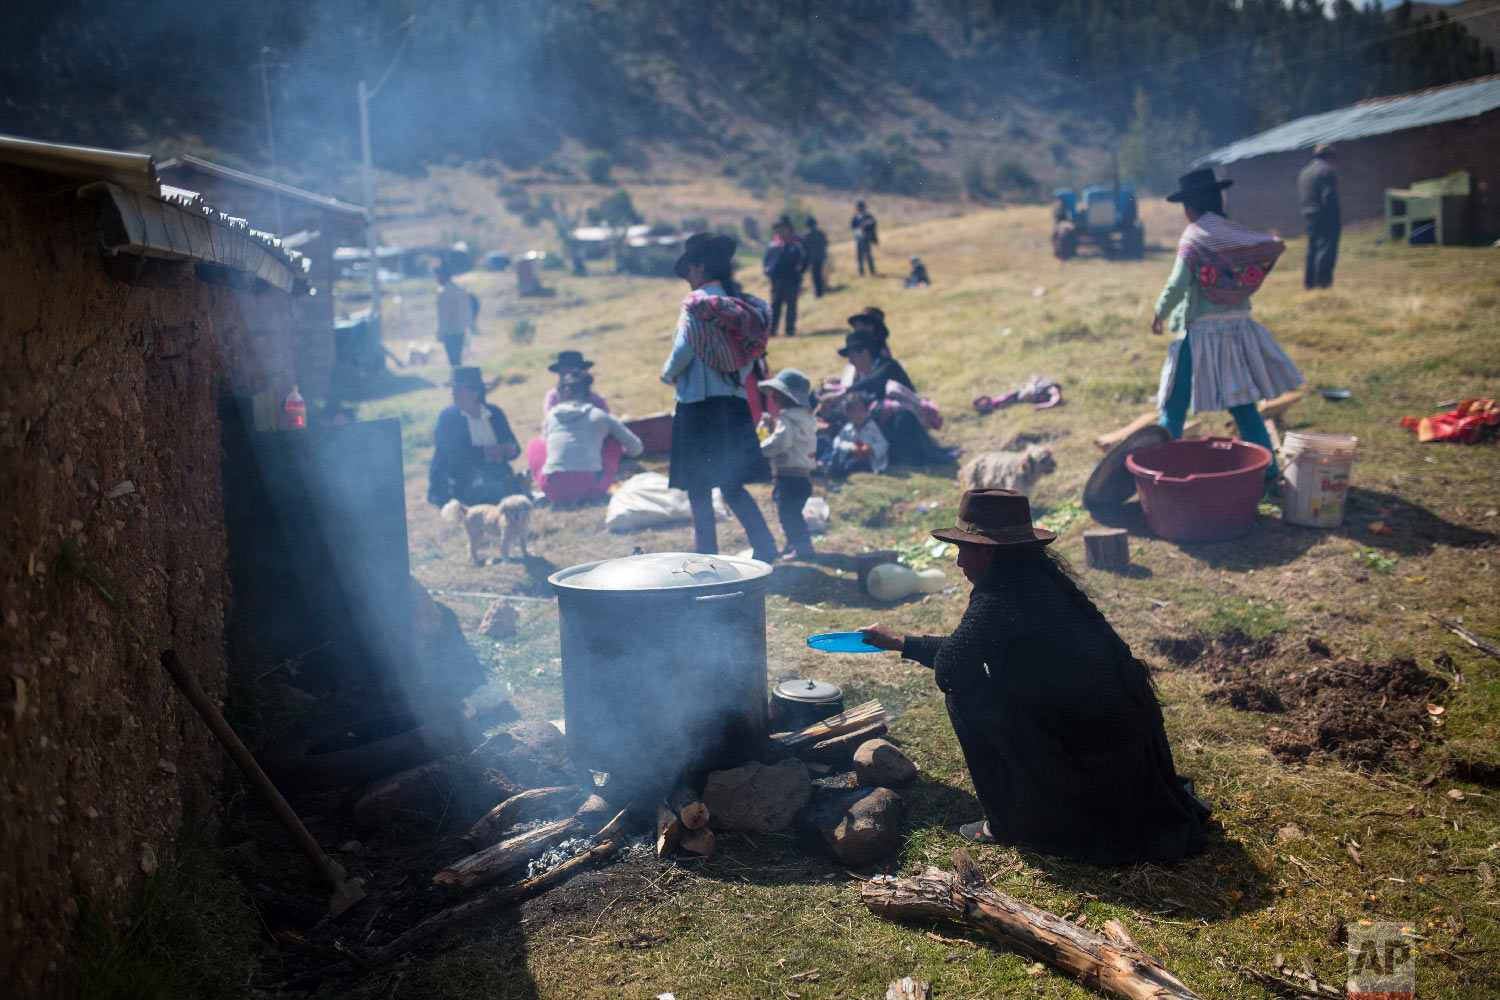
<point x="816" y="242"/>
<point x="865" y="238"/>
<point x="1318" y="189"/>
<point x="786" y="259"/>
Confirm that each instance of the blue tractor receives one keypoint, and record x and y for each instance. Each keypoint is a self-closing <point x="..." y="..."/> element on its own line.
<point x="1105" y="216"/>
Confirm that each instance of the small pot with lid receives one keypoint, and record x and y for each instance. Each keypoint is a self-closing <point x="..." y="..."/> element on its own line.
<point x="798" y="702"/>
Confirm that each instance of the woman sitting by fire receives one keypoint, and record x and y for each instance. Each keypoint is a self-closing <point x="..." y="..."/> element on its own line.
<point x="1056" y="717"/>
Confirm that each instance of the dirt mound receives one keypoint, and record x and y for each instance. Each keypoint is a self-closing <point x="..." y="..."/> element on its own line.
<point x="1364" y="714"/>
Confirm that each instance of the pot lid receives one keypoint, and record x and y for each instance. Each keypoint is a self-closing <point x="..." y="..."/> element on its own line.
<point x="659" y="571"/>
<point x="1111" y="484"/>
<point x="802" y="689"/>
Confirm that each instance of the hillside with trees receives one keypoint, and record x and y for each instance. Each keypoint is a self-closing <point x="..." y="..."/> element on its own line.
<point x="935" y="97"/>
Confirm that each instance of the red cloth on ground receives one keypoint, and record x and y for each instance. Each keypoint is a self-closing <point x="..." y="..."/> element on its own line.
<point x="1473" y="420"/>
<point x="566" y="488"/>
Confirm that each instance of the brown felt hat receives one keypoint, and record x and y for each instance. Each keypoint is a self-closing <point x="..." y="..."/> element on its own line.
<point x="995" y="517"/>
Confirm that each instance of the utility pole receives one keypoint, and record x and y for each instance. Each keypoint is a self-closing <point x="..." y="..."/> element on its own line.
<point x="266" y="54"/>
<point x="366" y="94"/>
<point x="368" y="172"/>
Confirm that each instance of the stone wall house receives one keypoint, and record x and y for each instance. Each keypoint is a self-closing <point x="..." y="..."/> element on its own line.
<point x="127" y="319"/>
<point x="1389" y="142"/>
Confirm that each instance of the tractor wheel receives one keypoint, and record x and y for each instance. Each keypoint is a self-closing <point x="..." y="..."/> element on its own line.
<point x="1064" y="240"/>
<point x="1135" y="241"/>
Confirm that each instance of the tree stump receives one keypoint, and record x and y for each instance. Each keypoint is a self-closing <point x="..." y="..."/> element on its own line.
<point x="1107" y="549"/>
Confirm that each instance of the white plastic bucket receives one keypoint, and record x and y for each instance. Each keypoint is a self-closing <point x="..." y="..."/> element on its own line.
<point x="1316" y="467"/>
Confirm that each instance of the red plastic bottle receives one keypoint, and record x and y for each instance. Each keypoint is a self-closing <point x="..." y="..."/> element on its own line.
<point x="294" y="412"/>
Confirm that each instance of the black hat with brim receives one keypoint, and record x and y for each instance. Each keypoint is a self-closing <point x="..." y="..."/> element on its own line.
<point x="701" y="248"/>
<point x="569" y="359"/>
<point x="1197" y="182"/>
<point x="859" y="340"/>
<point x="995" y="518"/>
<point x="467" y="377"/>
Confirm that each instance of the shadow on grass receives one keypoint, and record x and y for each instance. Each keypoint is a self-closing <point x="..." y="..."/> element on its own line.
<point x="1274" y="542"/>
<point x="812" y="583"/>
<point x="1221" y="882"/>
<point x="381" y="385"/>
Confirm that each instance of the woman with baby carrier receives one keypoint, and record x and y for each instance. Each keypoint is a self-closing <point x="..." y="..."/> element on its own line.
<point x="721" y="333"/>
<point x="1222" y="359"/>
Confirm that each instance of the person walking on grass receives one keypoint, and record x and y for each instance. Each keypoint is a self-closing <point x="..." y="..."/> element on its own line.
<point x="791" y="445"/>
<point x="816" y="242"/>
<point x="865" y="237"/>
<point x="1318" y="190"/>
<point x="1221" y="359"/>
<point x="455" y="314"/>
<point x="785" y="260"/>
<point x="721" y="334"/>
<point x="1056" y="717"/>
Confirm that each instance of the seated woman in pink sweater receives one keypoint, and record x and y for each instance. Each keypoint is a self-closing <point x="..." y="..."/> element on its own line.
<point x="579" y="451"/>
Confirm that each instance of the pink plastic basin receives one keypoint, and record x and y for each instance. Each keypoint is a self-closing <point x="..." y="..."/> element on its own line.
<point x="1200" y="490"/>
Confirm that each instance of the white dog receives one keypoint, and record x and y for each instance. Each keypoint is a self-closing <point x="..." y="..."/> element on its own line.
<point x="419" y="354"/>
<point x="509" y="521"/>
<point x="1007" y="470"/>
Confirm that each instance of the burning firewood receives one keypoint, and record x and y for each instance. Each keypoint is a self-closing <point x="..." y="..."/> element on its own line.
<point x="607" y="841"/>
<point x="1111" y="963"/>
<point x="858" y="717"/>
<point x="517" y="809"/>
<point x="839" y="749"/>
<point x="690" y="811"/>
<point x="668" y="830"/>
<point x="492" y="862"/>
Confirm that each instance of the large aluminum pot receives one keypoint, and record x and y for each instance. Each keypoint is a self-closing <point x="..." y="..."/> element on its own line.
<point x="663" y="664"/>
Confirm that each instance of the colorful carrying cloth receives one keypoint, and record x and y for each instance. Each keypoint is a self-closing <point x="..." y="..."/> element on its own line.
<point x="898" y="398"/>
<point x="1228" y="260"/>
<point x="1473" y="420"/>
<point x="726" y="332"/>
<point x="1042" y="393"/>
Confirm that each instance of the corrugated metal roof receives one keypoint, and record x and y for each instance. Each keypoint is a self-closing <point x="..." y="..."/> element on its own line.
<point x="161" y="220"/>
<point x="1375" y="117"/>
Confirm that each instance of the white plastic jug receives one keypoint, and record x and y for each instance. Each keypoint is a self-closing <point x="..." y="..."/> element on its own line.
<point x="891" y="581"/>
<point x="1316" y="467"/>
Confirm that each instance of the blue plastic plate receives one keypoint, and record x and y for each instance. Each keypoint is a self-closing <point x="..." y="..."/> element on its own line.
<point x="842" y="642"/>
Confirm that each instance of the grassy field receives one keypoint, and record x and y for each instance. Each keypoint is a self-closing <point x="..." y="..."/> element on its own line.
<point x="1294" y="848"/>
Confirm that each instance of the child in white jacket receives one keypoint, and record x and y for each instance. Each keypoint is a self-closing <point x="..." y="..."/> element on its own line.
<point x="791" y="446"/>
<point x="860" y="445"/>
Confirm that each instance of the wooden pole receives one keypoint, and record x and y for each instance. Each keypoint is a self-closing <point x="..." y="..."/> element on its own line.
<point x="345" y="892"/>
<point x="1111" y="963"/>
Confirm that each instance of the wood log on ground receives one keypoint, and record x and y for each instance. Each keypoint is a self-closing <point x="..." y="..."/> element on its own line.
<point x="1107" y="549"/>
<point x="492" y="862"/>
<point x="668" y="829"/>
<point x="1111" y="963"/>
<point x="530" y="804"/>
<point x="690" y="811"/>
<point x="608" y="840"/>
<point x="840" y="749"/>
<point x="858" y="717"/>
<point x="701" y="841"/>
<point x="1483" y="645"/>
<point x="907" y="988"/>
<point x="1108" y="441"/>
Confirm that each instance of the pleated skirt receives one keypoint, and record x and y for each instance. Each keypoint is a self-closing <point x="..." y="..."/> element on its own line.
<point x="1235" y="361"/>
<point x="714" y="444"/>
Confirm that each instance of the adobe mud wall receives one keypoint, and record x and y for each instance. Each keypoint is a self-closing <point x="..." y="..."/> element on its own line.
<point x="1264" y="195"/>
<point x="110" y="381"/>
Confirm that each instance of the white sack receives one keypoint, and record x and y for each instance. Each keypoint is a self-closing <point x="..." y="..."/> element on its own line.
<point x="645" y="500"/>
